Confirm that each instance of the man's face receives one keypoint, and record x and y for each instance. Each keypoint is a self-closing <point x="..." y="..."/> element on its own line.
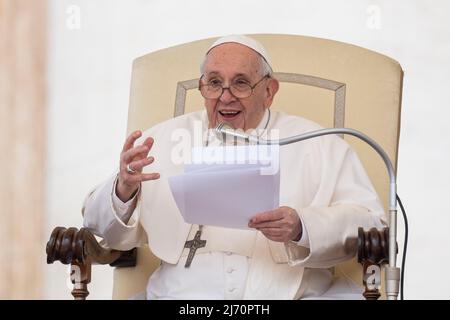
<point x="232" y="63"/>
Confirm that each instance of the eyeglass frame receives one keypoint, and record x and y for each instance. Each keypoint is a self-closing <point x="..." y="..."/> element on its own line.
<point x="229" y="87"/>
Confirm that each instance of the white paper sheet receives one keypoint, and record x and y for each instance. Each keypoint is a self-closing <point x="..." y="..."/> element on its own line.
<point x="220" y="192"/>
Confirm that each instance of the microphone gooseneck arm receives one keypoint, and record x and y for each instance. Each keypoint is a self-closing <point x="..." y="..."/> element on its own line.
<point x="392" y="275"/>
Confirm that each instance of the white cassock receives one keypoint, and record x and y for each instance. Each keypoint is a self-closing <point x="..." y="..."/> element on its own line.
<point x="321" y="178"/>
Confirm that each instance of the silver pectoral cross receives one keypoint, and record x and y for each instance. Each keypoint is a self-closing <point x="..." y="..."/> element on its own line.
<point x="193" y="245"/>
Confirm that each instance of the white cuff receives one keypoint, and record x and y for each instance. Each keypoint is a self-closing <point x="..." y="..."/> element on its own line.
<point x="123" y="210"/>
<point x="304" y="239"/>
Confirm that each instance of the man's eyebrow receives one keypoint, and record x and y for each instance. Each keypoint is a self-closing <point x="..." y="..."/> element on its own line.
<point x="214" y="73"/>
<point x="242" y="75"/>
<point x="238" y="75"/>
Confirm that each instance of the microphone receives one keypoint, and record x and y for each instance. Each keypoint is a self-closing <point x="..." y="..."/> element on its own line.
<point x="224" y="129"/>
<point x="392" y="273"/>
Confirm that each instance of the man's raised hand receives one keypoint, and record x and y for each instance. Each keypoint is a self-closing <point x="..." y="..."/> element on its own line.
<point x="134" y="158"/>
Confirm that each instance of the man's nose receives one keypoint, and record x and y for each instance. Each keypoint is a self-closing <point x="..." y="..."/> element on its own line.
<point x="226" y="96"/>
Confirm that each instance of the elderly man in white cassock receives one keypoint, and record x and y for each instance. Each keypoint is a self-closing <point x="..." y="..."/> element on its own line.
<point x="288" y="252"/>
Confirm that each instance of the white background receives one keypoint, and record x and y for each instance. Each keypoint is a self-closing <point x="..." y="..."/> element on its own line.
<point x="93" y="42"/>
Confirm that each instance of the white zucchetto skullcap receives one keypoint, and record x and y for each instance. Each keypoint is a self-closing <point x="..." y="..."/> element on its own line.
<point x="246" y="41"/>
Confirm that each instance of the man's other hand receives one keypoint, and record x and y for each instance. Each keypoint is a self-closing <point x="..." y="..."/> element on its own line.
<point x="281" y="225"/>
<point x="135" y="159"/>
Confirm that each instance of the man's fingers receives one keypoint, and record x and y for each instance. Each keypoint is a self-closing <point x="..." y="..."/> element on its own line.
<point x="130" y="154"/>
<point x="270" y="224"/>
<point x="150" y="176"/>
<point x="148" y="142"/>
<point x="139" y="152"/>
<point x="267" y="216"/>
<point x="137" y="178"/>
<point x="138" y="165"/>
<point x="129" y="142"/>
<point x="277" y="225"/>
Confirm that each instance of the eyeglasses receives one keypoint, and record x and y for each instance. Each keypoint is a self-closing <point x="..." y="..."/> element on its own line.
<point x="241" y="89"/>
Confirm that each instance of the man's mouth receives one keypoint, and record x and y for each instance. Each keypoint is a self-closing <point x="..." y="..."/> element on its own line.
<point x="229" y="114"/>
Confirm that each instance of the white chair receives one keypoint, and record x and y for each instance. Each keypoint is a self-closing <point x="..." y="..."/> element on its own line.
<point x="332" y="83"/>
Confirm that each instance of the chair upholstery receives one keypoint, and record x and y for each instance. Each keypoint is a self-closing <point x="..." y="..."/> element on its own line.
<point x="332" y="83"/>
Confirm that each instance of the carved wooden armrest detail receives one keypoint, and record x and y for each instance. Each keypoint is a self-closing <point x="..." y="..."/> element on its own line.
<point x="80" y="249"/>
<point x="373" y="252"/>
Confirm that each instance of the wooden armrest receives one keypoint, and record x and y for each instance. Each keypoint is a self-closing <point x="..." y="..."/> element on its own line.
<point x="80" y="249"/>
<point x="373" y="252"/>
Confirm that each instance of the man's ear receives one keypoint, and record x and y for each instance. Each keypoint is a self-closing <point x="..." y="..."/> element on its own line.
<point x="271" y="90"/>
